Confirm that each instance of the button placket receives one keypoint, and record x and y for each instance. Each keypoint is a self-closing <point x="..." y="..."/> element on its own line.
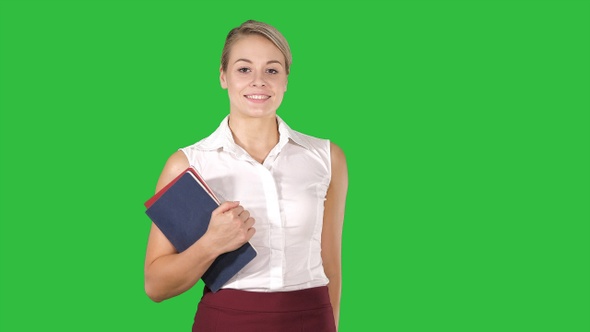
<point x="276" y="232"/>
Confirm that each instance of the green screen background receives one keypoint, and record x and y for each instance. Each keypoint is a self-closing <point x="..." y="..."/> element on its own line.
<point x="465" y="123"/>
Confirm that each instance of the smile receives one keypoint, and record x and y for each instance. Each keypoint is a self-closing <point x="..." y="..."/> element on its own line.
<point x="257" y="97"/>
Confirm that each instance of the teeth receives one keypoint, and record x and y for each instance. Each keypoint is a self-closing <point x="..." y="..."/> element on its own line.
<point x="257" y="97"/>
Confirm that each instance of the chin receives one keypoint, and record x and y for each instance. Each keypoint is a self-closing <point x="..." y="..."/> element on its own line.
<point x="257" y="113"/>
<point x="261" y="115"/>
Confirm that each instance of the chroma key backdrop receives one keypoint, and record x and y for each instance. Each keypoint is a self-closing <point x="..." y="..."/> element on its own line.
<point x="465" y="125"/>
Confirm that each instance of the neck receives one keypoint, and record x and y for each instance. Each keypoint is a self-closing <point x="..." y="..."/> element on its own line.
<point x="255" y="135"/>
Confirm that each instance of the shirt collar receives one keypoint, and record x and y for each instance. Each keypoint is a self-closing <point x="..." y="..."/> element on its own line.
<point x="223" y="138"/>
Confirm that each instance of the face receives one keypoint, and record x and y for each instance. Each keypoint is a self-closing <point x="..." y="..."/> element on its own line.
<point x="256" y="79"/>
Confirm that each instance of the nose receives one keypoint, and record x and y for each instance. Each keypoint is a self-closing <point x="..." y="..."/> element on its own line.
<point x="258" y="80"/>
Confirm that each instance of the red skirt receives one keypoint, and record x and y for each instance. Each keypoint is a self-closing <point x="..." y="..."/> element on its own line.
<point x="242" y="311"/>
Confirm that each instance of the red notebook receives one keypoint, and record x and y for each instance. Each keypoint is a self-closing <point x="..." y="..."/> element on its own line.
<point x="197" y="177"/>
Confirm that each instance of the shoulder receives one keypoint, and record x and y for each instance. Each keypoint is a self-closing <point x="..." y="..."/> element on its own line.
<point x="338" y="162"/>
<point x="214" y="141"/>
<point x="175" y="164"/>
<point x="202" y="145"/>
<point x="200" y="151"/>
<point x="337" y="153"/>
<point x="310" y="142"/>
<point x="307" y="141"/>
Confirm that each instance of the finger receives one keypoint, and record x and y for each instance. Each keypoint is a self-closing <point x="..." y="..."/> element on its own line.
<point x="244" y="215"/>
<point x="225" y="206"/>
<point x="235" y="212"/>
<point x="250" y="233"/>
<point x="249" y="222"/>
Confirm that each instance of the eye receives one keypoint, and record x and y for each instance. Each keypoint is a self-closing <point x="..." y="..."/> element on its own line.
<point x="244" y="70"/>
<point x="272" y="71"/>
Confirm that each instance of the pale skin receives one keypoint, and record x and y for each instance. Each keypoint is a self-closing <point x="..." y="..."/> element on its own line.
<point x="256" y="81"/>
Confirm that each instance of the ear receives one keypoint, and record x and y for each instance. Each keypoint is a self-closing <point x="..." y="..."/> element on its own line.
<point x="222" y="78"/>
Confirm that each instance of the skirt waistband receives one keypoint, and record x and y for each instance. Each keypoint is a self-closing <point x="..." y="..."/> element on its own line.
<point x="299" y="300"/>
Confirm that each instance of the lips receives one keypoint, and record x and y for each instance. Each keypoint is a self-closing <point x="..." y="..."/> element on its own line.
<point x="257" y="97"/>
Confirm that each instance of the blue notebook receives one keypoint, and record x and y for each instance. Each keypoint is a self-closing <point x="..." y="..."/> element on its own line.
<point x="182" y="211"/>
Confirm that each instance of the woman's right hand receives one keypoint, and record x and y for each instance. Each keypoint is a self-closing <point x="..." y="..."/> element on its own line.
<point x="230" y="227"/>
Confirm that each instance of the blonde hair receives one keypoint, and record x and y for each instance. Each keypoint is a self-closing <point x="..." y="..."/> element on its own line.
<point x="252" y="27"/>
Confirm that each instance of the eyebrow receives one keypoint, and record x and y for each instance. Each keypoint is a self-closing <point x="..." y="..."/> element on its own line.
<point x="268" y="62"/>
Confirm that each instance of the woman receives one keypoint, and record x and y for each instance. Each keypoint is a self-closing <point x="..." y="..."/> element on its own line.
<point x="290" y="186"/>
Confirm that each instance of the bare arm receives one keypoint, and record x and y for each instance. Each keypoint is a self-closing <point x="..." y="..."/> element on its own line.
<point x="332" y="227"/>
<point x="169" y="273"/>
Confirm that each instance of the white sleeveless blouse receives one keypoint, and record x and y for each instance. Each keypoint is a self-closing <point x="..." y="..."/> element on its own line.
<point x="285" y="195"/>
